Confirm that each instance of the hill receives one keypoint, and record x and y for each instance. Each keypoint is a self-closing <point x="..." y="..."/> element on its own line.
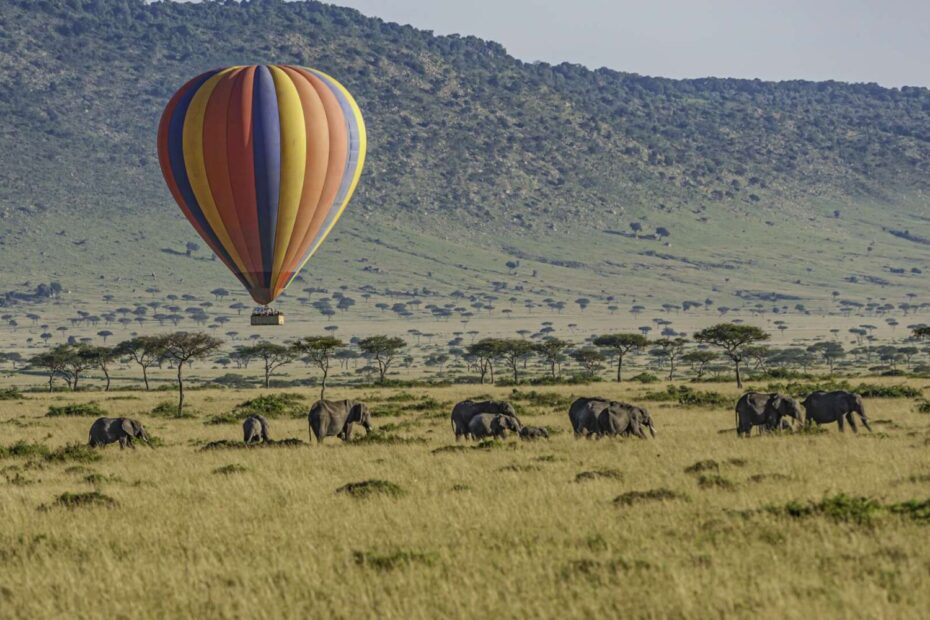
<point x="624" y="188"/>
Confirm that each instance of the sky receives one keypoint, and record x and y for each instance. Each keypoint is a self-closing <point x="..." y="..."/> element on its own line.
<point x="887" y="42"/>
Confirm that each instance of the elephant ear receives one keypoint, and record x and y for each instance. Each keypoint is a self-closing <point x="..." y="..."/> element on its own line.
<point x="128" y="426"/>
<point x="775" y="402"/>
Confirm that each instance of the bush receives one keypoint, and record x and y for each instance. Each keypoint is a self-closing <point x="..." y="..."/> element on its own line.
<point x="392" y="559"/>
<point x="687" y="396"/>
<point x="611" y="474"/>
<point x="711" y="481"/>
<point x="271" y="406"/>
<point x="74" y="452"/>
<point x="375" y="437"/>
<point x="645" y="378"/>
<point x="634" y="497"/>
<point x="170" y="410"/>
<point x="232" y="468"/>
<point x="11" y="394"/>
<point x="77" y="409"/>
<point x="25" y="449"/>
<point x="232" y="380"/>
<point x="91" y="498"/>
<point x="368" y="488"/>
<point x="700" y="466"/>
<point x="923" y="407"/>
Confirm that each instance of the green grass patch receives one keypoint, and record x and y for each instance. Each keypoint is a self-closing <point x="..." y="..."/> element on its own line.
<point x="228" y="444"/>
<point x="232" y="468"/>
<point x="702" y="466"/>
<point x="76" y="410"/>
<point x="800" y="389"/>
<point x="542" y="399"/>
<point x="76" y="452"/>
<point x="715" y="481"/>
<point x="518" y="467"/>
<point x="599" y="474"/>
<point x="923" y="407"/>
<point x="652" y="495"/>
<point x="167" y="409"/>
<point x="385" y="439"/>
<point x="370" y="488"/>
<point x="448" y="449"/>
<point x="494" y="444"/>
<point x="98" y="479"/>
<point x="11" y="394"/>
<point x="24" y="449"/>
<point x="85" y="500"/>
<point x="390" y="560"/>
<point x="644" y="378"/>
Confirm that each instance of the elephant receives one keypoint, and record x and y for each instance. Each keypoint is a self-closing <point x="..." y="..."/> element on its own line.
<point x="583" y="414"/>
<point x="493" y="425"/>
<point x="255" y="429"/>
<point x="624" y="419"/>
<point x="765" y="410"/>
<point x="826" y="407"/>
<point x="334" y="418"/>
<point x="464" y="411"/>
<point x="109" y="430"/>
<point x="533" y="432"/>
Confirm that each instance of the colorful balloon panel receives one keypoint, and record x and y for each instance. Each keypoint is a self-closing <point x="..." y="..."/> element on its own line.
<point x="262" y="161"/>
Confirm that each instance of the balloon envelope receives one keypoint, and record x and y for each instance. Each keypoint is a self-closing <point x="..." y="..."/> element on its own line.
<point x="262" y="160"/>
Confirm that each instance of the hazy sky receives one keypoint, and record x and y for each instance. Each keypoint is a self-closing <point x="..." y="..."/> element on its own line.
<point x="851" y="40"/>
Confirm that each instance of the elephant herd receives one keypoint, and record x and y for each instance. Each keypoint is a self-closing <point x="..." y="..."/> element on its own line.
<point x="589" y="417"/>
<point x="769" y="411"/>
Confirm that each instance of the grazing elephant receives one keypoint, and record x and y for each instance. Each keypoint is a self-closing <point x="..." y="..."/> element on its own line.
<point x="826" y="407"/>
<point x="765" y="410"/>
<point x="624" y="419"/>
<point x="583" y="415"/>
<point x="533" y="432"/>
<point x="464" y="411"/>
<point x="109" y="430"/>
<point x="334" y="418"/>
<point x="255" y="429"/>
<point x="493" y="425"/>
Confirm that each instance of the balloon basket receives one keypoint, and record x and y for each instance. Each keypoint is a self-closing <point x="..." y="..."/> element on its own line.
<point x="268" y="319"/>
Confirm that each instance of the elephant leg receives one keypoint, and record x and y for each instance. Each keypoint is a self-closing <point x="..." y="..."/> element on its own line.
<point x="347" y="433"/>
<point x="839" y="422"/>
<point x="129" y="443"/>
<point x="122" y="443"/>
<point x="850" y="417"/>
<point x="865" y="421"/>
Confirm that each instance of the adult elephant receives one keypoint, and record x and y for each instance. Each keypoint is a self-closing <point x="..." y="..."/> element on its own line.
<point x="255" y="429"/>
<point x="493" y="425"/>
<point x="583" y="414"/>
<point x="334" y="418"/>
<point x="624" y="419"/>
<point x="105" y="431"/>
<point x="765" y="410"/>
<point x="826" y="407"/>
<point x="464" y="411"/>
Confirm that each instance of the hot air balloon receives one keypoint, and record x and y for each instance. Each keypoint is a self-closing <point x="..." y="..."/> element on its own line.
<point x="262" y="160"/>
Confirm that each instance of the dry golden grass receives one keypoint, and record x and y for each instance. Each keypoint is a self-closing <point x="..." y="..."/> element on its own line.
<point x="504" y="532"/>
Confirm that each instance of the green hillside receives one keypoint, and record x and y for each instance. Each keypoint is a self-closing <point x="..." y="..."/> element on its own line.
<point x="749" y="192"/>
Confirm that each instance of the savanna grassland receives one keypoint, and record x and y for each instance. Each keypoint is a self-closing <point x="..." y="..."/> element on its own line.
<point x="695" y="523"/>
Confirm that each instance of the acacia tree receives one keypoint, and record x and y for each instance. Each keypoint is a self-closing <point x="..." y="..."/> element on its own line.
<point x="318" y="350"/>
<point x="485" y="351"/>
<point x="590" y="359"/>
<point x="77" y="360"/>
<point x="921" y="332"/>
<point x="513" y="351"/>
<point x="831" y="352"/>
<point x="551" y="350"/>
<point x="272" y="355"/>
<point x="52" y="362"/>
<point x="620" y="345"/>
<point x="102" y="357"/>
<point x="732" y="338"/>
<point x="699" y="361"/>
<point x="185" y="347"/>
<point x="383" y="349"/>
<point x="670" y="349"/>
<point x="146" y="351"/>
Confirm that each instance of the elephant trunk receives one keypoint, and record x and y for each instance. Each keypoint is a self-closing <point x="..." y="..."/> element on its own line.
<point x="652" y="430"/>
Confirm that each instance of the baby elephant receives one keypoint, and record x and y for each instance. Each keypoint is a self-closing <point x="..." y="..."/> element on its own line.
<point x="110" y="430"/>
<point x="533" y="432"/>
<point x="492" y="425"/>
<point x="255" y="429"/>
